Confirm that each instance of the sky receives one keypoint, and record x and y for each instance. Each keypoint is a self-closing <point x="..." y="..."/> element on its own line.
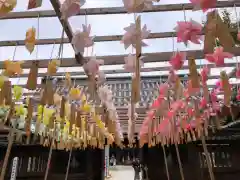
<point x="101" y="25"/>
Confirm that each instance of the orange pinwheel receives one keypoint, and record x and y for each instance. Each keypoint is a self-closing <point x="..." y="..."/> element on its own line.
<point x="12" y="68"/>
<point x="52" y="67"/>
<point x="7" y="6"/>
<point x="30" y="40"/>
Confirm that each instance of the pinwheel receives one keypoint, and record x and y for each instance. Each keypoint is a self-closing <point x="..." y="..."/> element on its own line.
<point x="105" y="95"/>
<point x="101" y="77"/>
<point x="82" y="39"/>
<point x="188" y="31"/>
<point x="52" y="67"/>
<point x="74" y="93"/>
<point x="7" y="6"/>
<point x="204" y="74"/>
<point x="47" y="114"/>
<point x="30" y="39"/>
<point x="138" y="6"/>
<point x="177" y="60"/>
<point x="218" y="57"/>
<point x="12" y="68"/>
<point x="92" y="66"/>
<point x="238" y="72"/>
<point x="238" y="95"/>
<point x="71" y="7"/>
<point x="131" y="35"/>
<point x="21" y="114"/>
<point x="17" y="92"/>
<point x="130" y="63"/>
<point x="204" y="4"/>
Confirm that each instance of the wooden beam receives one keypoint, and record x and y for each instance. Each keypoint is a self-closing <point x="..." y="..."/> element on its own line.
<point x="67" y="28"/>
<point x="107" y="72"/>
<point x="96" y="39"/>
<point x="119" y="59"/>
<point x="114" y="10"/>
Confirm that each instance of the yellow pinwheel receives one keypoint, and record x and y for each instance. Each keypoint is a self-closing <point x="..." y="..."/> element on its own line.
<point x="86" y="107"/>
<point x="99" y="123"/>
<point x="74" y="93"/>
<point x="17" y="92"/>
<point x="66" y="127"/>
<point x="52" y="67"/>
<point x="20" y="110"/>
<point x="40" y="112"/>
<point x="47" y="114"/>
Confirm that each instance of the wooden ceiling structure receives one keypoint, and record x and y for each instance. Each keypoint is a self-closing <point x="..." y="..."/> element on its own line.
<point x="118" y="85"/>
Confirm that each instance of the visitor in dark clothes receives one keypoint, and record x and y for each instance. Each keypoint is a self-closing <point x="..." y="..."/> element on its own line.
<point x="144" y="173"/>
<point x="137" y="169"/>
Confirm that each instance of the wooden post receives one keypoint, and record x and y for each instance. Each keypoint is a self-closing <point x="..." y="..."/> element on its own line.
<point x="6" y="158"/>
<point x="207" y="157"/>
<point x="165" y="160"/>
<point x="50" y="154"/>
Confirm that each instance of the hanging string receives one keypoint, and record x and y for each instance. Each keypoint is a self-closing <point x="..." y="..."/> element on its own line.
<point x="38" y="35"/>
<point x="38" y="32"/>
<point x="52" y="50"/>
<point x="86" y="24"/>
<point x="165" y="161"/>
<point x="184" y="14"/>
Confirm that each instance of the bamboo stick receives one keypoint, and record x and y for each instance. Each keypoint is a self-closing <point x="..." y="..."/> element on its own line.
<point x="212" y="177"/>
<point x="7" y="155"/>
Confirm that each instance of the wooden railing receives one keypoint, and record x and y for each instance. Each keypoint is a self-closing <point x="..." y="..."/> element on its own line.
<point x="224" y="158"/>
<point x="32" y="163"/>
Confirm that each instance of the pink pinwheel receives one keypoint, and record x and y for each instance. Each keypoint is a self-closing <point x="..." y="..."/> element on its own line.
<point x="92" y="66"/>
<point x="71" y="7"/>
<point x="164" y="127"/>
<point x="177" y="60"/>
<point x="190" y="89"/>
<point x="219" y="84"/>
<point x="213" y="96"/>
<point x="172" y="76"/>
<point x="204" y="74"/>
<point x="82" y="39"/>
<point x="105" y="94"/>
<point x="203" y="103"/>
<point x="204" y="4"/>
<point x="214" y="102"/>
<point x="218" y="56"/>
<point x="188" y="31"/>
<point x="238" y="72"/>
<point x="131" y="35"/>
<point x="175" y="107"/>
<point x="190" y="111"/>
<point x="238" y="95"/>
<point x="163" y="89"/>
<point x="101" y="77"/>
<point x="130" y="63"/>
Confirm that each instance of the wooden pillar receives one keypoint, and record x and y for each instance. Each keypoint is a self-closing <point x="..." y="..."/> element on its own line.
<point x="90" y="161"/>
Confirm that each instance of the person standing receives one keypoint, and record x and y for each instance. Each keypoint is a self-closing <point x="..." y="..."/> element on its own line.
<point x="137" y="169"/>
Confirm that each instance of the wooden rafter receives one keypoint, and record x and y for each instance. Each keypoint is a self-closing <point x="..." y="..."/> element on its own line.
<point x="115" y="10"/>
<point x="119" y="59"/>
<point x="67" y="28"/>
<point x="96" y="39"/>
